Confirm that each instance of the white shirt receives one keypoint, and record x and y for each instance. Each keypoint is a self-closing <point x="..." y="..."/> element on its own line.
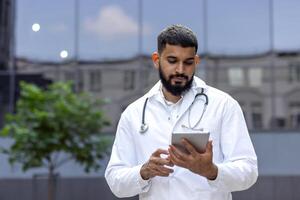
<point x="233" y="152"/>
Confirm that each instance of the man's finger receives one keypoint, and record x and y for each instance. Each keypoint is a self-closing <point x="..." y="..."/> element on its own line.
<point x="174" y="152"/>
<point x="170" y="164"/>
<point x="159" y="161"/>
<point x="162" y="171"/>
<point x="158" y="173"/>
<point x="191" y="149"/>
<point x="179" y="154"/>
<point x="160" y="151"/>
<point x="176" y="160"/>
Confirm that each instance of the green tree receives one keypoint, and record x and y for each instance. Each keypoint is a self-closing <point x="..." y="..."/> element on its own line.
<point x="54" y="125"/>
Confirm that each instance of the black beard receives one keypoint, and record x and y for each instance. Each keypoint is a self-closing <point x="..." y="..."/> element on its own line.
<point x="175" y="90"/>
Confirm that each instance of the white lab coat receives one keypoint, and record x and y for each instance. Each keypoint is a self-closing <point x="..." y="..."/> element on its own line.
<point x="233" y="152"/>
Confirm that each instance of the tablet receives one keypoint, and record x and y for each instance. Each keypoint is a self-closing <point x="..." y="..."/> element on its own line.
<point x="197" y="139"/>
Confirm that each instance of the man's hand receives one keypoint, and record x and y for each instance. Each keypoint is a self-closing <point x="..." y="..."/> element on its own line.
<point x="199" y="163"/>
<point x="156" y="165"/>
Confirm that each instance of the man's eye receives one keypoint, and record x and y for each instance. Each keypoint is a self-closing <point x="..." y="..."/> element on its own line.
<point x="172" y="61"/>
<point x="188" y="63"/>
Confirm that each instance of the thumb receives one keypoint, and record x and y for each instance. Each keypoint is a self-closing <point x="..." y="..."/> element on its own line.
<point x="209" y="146"/>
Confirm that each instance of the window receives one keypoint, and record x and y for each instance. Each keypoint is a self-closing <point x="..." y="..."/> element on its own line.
<point x="129" y="77"/>
<point x="95" y="80"/>
<point x="256" y="112"/>
<point x="236" y="77"/>
<point x="69" y="76"/>
<point x="295" y="115"/>
<point x="80" y="80"/>
<point x="255" y="77"/>
<point x="294" y="72"/>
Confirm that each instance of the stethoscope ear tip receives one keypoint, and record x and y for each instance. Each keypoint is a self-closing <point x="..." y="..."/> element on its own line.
<point x="144" y="128"/>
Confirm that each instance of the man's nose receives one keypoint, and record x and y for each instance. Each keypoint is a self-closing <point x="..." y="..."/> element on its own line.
<point x="179" y="68"/>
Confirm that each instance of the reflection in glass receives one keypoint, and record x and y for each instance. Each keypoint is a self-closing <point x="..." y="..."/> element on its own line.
<point x="236" y="77"/>
<point x="255" y="77"/>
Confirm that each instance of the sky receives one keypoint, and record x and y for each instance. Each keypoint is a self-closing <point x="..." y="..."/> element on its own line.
<point x="108" y="29"/>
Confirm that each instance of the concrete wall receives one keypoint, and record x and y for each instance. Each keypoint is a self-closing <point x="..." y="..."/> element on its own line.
<point x="266" y="188"/>
<point x="278" y="164"/>
<point x="67" y="189"/>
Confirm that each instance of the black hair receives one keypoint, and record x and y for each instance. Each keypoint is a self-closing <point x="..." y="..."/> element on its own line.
<point x="177" y="35"/>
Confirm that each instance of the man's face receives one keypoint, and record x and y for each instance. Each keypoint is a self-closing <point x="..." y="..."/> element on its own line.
<point x="176" y="67"/>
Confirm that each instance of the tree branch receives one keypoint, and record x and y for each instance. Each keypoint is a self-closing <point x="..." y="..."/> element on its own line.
<point x="63" y="161"/>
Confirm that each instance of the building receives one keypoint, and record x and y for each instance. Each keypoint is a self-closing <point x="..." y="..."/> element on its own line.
<point x="252" y="80"/>
<point x="7" y="21"/>
<point x="266" y="86"/>
<point x="118" y="82"/>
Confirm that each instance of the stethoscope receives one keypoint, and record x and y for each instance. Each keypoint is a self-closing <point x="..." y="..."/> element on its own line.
<point x="144" y="127"/>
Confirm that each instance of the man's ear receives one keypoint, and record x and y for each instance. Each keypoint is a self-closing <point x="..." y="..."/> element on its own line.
<point x="197" y="60"/>
<point x="155" y="59"/>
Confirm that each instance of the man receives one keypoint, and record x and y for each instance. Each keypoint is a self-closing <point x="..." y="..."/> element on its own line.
<point x="144" y="163"/>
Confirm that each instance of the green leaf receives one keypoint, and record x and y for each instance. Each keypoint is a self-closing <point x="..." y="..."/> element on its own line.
<point x="55" y="120"/>
<point x="5" y="131"/>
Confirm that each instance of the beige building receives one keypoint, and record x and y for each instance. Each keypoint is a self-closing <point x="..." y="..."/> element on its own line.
<point x="266" y="86"/>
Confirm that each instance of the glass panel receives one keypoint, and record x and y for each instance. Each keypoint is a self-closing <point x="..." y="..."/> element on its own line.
<point x="188" y="13"/>
<point x="109" y="29"/>
<point x="236" y="77"/>
<point x="294" y="72"/>
<point x="230" y="31"/>
<point x="255" y="77"/>
<point x="286" y="23"/>
<point x="294" y="115"/>
<point x="129" y="78"/>
<point x="54" y="34"/>
<point x="106" y="29"/>
<point x="238" y="27"/>
<point x="256" y="109"/>
<point x="95" y="80"/>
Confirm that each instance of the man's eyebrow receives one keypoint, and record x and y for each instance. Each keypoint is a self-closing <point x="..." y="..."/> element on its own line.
<point x="173" y="57"/>
<point x="188" y="59"/>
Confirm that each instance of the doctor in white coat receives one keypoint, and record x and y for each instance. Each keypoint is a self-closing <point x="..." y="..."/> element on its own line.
<point x="143" y="161"/>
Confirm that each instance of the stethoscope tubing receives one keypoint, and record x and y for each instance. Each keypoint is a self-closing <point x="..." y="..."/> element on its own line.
<point x="144" y="127"/>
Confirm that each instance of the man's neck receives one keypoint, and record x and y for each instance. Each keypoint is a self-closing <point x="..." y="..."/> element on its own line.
<point x="169" y="96"/>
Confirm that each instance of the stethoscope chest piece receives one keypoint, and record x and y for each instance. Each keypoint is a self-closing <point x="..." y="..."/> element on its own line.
<point x="144" y="128"/>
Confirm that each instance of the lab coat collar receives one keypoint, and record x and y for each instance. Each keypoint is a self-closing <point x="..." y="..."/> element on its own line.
<point x="198" y="85"/>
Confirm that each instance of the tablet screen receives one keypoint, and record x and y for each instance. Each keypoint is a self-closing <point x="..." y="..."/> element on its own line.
<point x="198" y="140"/>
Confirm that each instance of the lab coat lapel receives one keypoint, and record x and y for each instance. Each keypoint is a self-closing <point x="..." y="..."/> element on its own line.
<point x="189" y="97"/>
<point x="186" y="103"/>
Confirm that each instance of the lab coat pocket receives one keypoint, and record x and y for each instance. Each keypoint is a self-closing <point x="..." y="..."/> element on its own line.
<point x="217" y="153"/>
<point x="215" y="140"/>
<point x="208" y="195"/>
<point x="158" y="189"/>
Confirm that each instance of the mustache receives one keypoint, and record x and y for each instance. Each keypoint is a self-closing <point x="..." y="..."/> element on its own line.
<point x="179" y="76"/>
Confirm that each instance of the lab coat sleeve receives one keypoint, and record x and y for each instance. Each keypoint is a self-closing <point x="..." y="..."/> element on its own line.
<point x="238" y="171"/>
<point x="123" y="173"/>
